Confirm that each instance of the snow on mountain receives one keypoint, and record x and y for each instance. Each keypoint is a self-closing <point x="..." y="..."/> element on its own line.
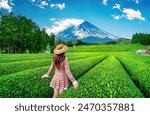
<point x="86" y="32"/>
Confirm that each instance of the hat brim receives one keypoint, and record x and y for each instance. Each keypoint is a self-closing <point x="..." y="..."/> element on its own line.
<point x="65" y="48"/>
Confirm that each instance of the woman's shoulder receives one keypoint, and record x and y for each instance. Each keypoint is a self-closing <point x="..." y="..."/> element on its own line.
<point x="66" y="59"/>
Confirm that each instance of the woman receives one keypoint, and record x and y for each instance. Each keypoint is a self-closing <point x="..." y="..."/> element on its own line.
<point x="60" y="81"/>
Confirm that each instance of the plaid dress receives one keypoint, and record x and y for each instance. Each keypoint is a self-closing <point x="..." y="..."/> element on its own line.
<point x="62" y="75"/>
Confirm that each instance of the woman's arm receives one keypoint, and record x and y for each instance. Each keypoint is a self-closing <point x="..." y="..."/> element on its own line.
<point x="69" y="74"/>
<point x="49" y="71"/>
<point x="67" y="70"/>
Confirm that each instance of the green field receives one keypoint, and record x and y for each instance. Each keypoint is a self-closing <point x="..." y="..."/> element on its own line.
<point x="107" y="48"/>
<point x="103" y="71"/>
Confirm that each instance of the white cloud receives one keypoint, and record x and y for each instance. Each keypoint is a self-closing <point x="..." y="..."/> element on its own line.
<point x="39" y="3"/>
<point x="43" y="4"/>
<point x="60" y="6"/>
<point x="104" y="2"/>
<point x="63" y="24"/>
<point x="32" y="0"/>
<point x="4" y="4"/>
<point x="116" y="17"/>
<point x="127" y="13"/>
<point x="52" y="19"/>
<point x="136" y="1"/>
<point x="116" y="6"/>
<point x="131" y="14"/>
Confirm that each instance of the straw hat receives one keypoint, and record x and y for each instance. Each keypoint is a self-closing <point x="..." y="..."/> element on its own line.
<point x="60" y="49"/>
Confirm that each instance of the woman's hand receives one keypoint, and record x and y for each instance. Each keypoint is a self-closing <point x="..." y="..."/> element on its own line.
<point x="44" y="76"/>
<point x="75" y="84"/>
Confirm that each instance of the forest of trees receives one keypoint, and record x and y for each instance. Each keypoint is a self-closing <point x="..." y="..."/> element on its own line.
<point x="141" y="38"/>
<point x="21" y="35"/>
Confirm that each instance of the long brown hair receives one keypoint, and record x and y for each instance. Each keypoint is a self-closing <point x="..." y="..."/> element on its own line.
<point x="58" y="59"/>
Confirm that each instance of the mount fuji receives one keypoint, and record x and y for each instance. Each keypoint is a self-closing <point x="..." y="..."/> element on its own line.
<point x="86" y="32"/>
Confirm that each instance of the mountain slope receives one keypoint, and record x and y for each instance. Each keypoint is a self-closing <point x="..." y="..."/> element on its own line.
<point x="86" y="32"/>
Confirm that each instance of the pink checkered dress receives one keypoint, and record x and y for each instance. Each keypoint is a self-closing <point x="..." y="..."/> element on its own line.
<point x="60" y="79"/>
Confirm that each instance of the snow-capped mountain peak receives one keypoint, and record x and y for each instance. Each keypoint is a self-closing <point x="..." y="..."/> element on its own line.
<point x="86" y="32"/>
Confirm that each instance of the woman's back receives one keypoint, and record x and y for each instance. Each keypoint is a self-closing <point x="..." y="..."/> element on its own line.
<point x="61" y="70"/>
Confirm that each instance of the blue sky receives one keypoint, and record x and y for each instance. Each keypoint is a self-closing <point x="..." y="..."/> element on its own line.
<point x="122" y="18"/>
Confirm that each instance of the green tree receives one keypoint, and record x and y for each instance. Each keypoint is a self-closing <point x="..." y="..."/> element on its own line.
<point x="52" y="42"/>
<point x="141" y="38"/>
<point x="19" y="34"/>
<point x="74" y="43"/>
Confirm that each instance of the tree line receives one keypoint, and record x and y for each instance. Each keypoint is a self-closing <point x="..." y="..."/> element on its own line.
<point x="21" y="35"/>
<point x="141" y="38"/>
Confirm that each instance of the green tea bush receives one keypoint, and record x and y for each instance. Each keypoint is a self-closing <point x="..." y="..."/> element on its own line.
<point x="139" y="72"/>
<point x="108" y="79"/>
<point x="107" y="48"/>
<point x="8" y="58"/>
<point x="9" y="68"/>
<point x="29" y="84"/>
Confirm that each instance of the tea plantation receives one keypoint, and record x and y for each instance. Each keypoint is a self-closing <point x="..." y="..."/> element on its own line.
<point x="101" y="71"/>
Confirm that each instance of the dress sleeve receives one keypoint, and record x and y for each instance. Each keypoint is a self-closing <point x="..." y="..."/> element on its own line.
<point x="51" y="69"/>
<point x="67" y="70"/>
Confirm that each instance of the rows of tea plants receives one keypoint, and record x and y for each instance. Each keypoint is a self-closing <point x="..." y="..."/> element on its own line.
<point x="107" y="80"/>
<point x="129" y="55"/>
<point x="8" y="68"/>
<point x="137" y="57"/>
<point x="29" y="84"/>
<point x="107" y="48"/>
<point x="22" y="57"/>
<point x="29" y="57"/>
<point x="139" y="72"/>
